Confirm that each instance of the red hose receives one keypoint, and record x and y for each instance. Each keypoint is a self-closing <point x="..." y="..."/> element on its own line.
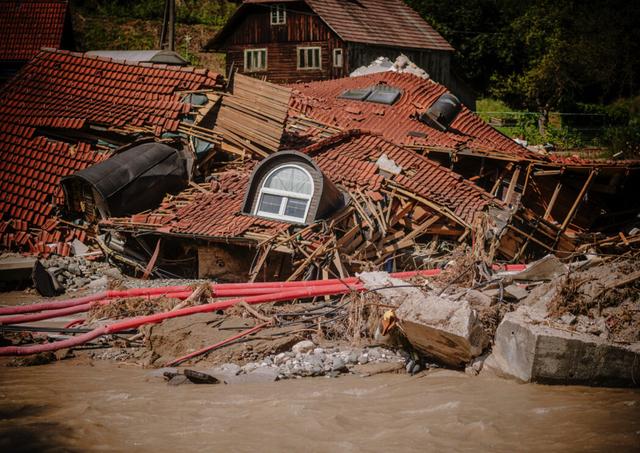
<point x="218" y="290"/>
<point x="297" y="293"/>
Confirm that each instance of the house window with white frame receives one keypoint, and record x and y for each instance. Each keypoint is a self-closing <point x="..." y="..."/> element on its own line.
<point x="309" y="58"/>
<point x="286" y="194"/>
<point x="337" y="58"/>
<point x="278" y="14"/>
<point x="255" y="60"/>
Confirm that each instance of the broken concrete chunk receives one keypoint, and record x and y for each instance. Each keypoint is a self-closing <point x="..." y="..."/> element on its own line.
<point x="516" y="292"/>
<point x="546" y="268"/>
<point x="446" y="330"/>
<point x="533" y="351"/>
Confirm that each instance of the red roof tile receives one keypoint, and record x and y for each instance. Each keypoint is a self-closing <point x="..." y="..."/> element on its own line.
<point x="347" y="159"/>
<point x="398" y="122"/>
<point x="350" y="159"/>
<point x="24" y="198"/>
<point x="28" y="25"/>
<point x="66" y="90"/>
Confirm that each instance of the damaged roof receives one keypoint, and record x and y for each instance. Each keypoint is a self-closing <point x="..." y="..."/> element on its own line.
<point x="28" y="25"/>
<point x="381" y="22"/>
<point x="213" y="212"/>
<point x="399" y="122"/>
<point x="348" y="159"/>
<point x="62" y="89"/>
<point x="30" y="169"/>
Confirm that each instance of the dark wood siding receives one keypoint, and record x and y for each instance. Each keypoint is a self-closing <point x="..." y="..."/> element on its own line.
<point x="302" y="25"/>
<point x="282" y="61"/>
<point x="302" y="29"/>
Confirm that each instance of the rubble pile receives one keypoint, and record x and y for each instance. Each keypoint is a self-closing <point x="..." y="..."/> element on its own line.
<point x="74" y="273"/>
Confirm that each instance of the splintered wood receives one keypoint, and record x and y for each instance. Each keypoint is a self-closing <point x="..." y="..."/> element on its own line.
<point x="252" y="119"/>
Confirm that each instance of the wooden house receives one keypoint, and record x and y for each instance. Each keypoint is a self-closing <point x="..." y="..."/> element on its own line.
<point x="289" y="41"/>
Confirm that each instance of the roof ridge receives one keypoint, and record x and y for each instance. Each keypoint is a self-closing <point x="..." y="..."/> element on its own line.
<point x="189" y="69"/>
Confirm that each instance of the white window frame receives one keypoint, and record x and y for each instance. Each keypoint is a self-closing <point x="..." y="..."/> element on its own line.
<point x="247" y="53"/>
<point x="280" y="11"/>
<point x="305" y="49"/>
<point x="338" y="51"/>
<point x="285" y="194"/>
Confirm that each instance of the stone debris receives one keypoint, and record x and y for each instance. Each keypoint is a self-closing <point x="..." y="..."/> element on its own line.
<point x="444" y="329"/>
<point x="529" y="348"/>
<point x="74" y="273"/>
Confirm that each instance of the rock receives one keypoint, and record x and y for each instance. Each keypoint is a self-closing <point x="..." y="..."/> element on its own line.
<point x="529" y="350"/>
<point x="303" y="347"/>
<point x="262" y="374"/>
<point x="478" y="299"/>
<point x="112" y="273"/>
<point x="81" y="282"/>
<point x="99" y="283"/>
<point x="249" y="367"/>
<point x="568" y="318"/>
<point x="474" y="368"/>
<point x="78" y="247"/>
<point x="352" y="358"/>
<point x="446" y="330"/>
<point x="515" y="292"/>
<point x="74" y="269"/>
<point x="339" y="365"/>
<point x="198" y="377"/>
<point x="178" y="379"/>
<point x="363" y="359"/>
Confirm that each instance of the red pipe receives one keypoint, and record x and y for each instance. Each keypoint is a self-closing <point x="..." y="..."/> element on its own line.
<point x="217" y="345"/>
<point x="298" y="293"/>
<point x="218" y="290"/>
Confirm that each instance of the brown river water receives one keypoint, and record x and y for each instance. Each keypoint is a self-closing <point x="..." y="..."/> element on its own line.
<point x="101" y="406"/>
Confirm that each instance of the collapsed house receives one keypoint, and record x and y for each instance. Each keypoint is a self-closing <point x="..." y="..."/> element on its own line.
<point x="342" y="202"/>
<point x="559" y="203"/>
<point x="66" y="111"/>
<point x="260" y="181"/>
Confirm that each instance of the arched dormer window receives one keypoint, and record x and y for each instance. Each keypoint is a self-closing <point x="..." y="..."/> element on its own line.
<point x="290" y="187"/>
<point x="286" y="194"/>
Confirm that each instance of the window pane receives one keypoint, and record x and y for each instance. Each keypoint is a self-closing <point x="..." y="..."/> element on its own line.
<point x="270" y="203"/>
<point x="316" y="58"/>
<point x="290" y="179"/>
<point x="296" y="208"/>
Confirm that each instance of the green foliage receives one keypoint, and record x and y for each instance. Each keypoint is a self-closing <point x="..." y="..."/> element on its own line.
<point x="208" y="12"/>
<point x="543" y="55"/>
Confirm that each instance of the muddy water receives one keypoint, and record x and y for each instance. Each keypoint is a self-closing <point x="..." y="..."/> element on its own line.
<point x="71" y="406"/>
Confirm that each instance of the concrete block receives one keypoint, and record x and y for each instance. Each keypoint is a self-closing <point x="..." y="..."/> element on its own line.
<point x="528" y="349"/>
